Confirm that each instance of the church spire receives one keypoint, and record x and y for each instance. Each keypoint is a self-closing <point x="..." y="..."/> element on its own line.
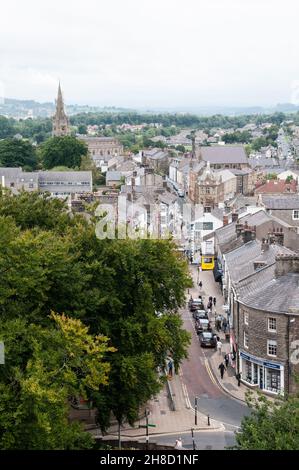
<point x="60" y="120"/>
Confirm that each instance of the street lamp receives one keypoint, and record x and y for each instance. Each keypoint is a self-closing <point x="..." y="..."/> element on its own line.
<point x="195" y="410"/>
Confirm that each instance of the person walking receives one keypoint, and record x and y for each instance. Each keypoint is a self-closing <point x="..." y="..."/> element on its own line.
<point x="200" y="284"/>
<point x="238" y="377"/>
<point x="214" y="301"/>
<point x="222" y="369"/>
<point x="226" y="360"/>
<point x="219" y="347"/>
<point x="170" y="368"/>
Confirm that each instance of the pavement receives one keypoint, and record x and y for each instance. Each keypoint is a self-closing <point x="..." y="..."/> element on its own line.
<point x="166" y="421"/>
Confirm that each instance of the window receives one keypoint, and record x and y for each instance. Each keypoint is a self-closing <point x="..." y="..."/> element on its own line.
<point x="246" y="317"/>
<point x="207" y="209"/>
<point x="272" y="324"/>
<point x="208" y="190"/>
<point x="273" y="381"/>
<point x="245" y="340"/>
<point x="296" y="215"/>
<point x="272" y="348"/>
<point x="207" y="226"/>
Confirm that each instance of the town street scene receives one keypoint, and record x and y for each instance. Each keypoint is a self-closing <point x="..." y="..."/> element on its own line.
<point x="149" y="232"/>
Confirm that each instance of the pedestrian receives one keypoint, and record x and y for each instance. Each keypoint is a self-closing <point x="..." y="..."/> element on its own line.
<point x="238" y="377"/>
<point x="224" y="325"/>
<point x="200" y="284"/>
<point x="214" y="301"/>
<point x="178" y="444"/>
<point x="222" y="369"/>
<point x="219" y="347"/>
<point x="210" y="299"/>
<point x="170" y="368"/>
<point x="226" y="359"/>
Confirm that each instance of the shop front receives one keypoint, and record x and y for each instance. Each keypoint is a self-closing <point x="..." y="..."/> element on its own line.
<point x="266" y="375"/>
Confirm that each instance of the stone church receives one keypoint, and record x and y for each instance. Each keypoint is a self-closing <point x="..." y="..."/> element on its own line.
<point x="60" y="119"/>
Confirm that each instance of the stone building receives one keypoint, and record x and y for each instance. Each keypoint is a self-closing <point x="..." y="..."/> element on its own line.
<point x="60" y="184"/>
<point x="210" y="188"/>
<point x="102" y="149"/>
<point x="266" y="327"/>
<point x="284" y="207"/>
<point x="223" y="157"/>
<point x="60" y="119"/>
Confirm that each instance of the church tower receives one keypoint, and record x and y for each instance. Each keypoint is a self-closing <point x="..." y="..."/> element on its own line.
<point x="60" y="120"/>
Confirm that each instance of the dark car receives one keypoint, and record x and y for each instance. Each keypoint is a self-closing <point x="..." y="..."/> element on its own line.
<point x="198" y="314"/>
<point x="196" y="304"/>
<point x="207" y="339"/>
<point x="202" y="325"/>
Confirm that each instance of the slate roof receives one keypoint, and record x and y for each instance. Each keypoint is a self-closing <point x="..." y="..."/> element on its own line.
<point x="113" y="176"/>
<point x="224" y="154"/>
<point x="240" y="262"/>
<point x="227" y="237"/>
<point x="288" y="202"/>
<point x="279" y="295"/>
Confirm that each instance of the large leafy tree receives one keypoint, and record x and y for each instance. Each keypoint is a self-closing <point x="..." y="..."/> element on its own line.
<point x="128" y="290"/>
<point x="63" y="151"/>
<point x="17" y="153"/>
<point x="272" y="425"/>
<point x="44" y="368"/>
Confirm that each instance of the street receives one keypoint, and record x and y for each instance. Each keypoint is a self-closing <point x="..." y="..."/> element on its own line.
<point x="196" y="372"/>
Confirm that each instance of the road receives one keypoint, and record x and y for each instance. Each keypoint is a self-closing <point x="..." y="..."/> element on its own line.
<point x="199" y="381"/>
<point x="203" y="440"/>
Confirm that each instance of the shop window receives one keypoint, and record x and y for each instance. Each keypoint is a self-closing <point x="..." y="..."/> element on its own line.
<point x="272" y="348"/>
<point x="273" y="380"/>
<point x="248" y="371"/>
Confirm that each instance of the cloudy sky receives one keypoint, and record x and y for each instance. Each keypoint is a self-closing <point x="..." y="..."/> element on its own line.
<point x="151" y="53"/>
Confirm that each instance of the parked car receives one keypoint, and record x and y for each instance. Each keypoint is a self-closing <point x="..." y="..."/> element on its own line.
<point x="198" y="314"/>
<point x="202" y="325"/>
<point x="196" y="304"/>
<point x="207" y="339"/>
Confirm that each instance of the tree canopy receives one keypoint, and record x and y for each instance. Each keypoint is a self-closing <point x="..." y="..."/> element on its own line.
<point x="63" y="151"/>
<point x="272" y="425"/>
<point x="17" y="153"/>
<point x="126" y="290"/>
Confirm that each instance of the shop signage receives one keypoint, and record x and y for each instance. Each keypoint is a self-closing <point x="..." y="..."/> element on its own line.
<point x="270" y="365"/>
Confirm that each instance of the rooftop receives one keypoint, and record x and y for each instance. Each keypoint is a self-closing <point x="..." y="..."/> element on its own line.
<point x="224" y="154"/>
<point x="283" y="202"/>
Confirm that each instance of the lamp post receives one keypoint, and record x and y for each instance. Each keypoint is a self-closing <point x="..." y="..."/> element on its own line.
<point x="193" y="441"/>
<point x="195" y="410"/>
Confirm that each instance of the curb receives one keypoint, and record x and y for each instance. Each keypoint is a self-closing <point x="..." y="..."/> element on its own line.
<point x="222" y="386"/>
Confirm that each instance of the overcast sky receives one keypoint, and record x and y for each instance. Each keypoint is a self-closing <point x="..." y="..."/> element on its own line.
<point x="151" y="52"/>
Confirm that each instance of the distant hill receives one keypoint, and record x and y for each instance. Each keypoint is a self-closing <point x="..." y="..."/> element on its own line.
<point x="30" y="108"/>
<point x="22" y="109"/>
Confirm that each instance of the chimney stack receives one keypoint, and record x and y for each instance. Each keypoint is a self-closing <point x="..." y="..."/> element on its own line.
<point x="225" y="219"/>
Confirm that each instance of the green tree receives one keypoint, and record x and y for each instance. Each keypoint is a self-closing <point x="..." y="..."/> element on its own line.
<point x="6" y="128"/>
<point x="129" y="290"/>
<point x="271" y="425"/>
<point x="63" y="151"/>
<point x="44" y="369"/>
<point x="17" y="153"/>
<point x="82" y="129"/>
